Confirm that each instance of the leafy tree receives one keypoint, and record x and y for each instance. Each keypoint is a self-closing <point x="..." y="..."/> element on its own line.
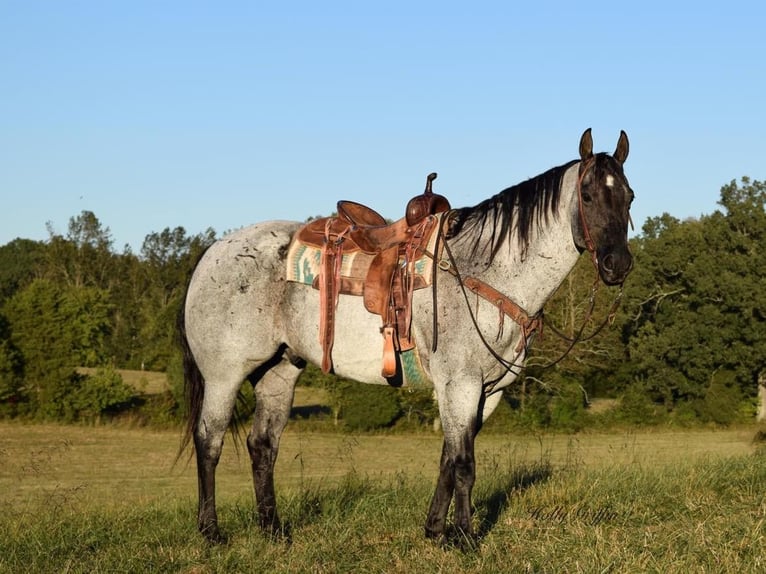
<point x="91" y="396"/>
<point x="665" y="329"/>
<point x="741" y="275"/>
<point x="367" y="407"/>
<point x="127" y="299"/>
<point x="167" y="259"/>
<point x="698" y="330"/>
<point x="20" y="262"/>
<point x="418" y="405"/>
<point x="84" y="257"/>
<point x="687" y="343"/>
<point x="56" y="329"/>
<point x="11" y="373"/>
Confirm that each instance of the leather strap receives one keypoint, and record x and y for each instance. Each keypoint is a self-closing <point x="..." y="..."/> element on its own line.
<point x="507" y="307"/>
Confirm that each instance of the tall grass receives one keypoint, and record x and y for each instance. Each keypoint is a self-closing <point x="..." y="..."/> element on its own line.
<point x="541" y="509"/>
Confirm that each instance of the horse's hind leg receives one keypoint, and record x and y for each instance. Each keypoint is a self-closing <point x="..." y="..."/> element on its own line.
<point x="273" y="399"/>
<point x="209" y="431"/>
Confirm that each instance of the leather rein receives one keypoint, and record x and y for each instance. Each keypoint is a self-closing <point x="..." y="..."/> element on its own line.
<point x="507" y="307"/>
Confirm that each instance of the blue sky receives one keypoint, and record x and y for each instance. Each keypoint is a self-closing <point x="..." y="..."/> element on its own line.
<point x="221" y="114"/>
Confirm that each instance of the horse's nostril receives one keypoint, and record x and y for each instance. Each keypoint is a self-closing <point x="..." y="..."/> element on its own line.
<point x="614" y="267"/>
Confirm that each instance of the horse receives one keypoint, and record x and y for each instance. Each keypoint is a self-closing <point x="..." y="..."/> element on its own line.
<point x="242" y="320"/>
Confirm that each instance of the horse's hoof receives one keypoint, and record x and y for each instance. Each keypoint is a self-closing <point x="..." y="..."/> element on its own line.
<point x="460" y="539"/>
<point x="213" y="535"/>
<point x="468" y="543"/>
<point x="435" y="535"/>
<point x="278" y="533"/>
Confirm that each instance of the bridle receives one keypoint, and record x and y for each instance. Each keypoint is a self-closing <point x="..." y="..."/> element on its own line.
<point x="589" y="244"/>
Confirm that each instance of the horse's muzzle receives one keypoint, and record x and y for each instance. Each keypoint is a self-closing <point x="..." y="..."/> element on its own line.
<point x="614" y="266"/>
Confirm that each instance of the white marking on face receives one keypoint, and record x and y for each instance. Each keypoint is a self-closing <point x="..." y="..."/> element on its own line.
<point x="610" y="181"/>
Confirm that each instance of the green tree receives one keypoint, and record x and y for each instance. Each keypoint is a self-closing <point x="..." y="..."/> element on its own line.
<point x="21" y="261"/>
<point x="697" y="334"/>
<point x="367" y="407"/>
<point x="84" y="256"/>
<point x="56" y="329"/>
<point x="11" y="373"/>
<point x="167" y="259"/>
<point x="127" y="297"/>
<point x="91" y="396"/>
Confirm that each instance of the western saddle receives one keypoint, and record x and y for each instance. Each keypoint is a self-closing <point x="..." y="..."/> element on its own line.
<point x="390" y="279"/>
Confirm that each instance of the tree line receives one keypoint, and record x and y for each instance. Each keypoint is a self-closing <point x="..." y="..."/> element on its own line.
<point x="684" y="341"/>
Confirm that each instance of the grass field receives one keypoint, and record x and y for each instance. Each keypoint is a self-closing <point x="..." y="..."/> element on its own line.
<point x="105" y="499"/>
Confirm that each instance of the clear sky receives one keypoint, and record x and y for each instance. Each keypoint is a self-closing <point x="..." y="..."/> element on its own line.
<point x="156" y="114"/>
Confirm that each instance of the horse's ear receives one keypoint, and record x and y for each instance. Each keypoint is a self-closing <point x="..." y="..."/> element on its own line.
<point x="586" y="145"/>
<point x="621" y="153"/>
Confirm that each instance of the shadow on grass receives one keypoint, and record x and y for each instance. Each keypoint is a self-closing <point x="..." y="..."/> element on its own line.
<point x="519" y="480"/>
<point x="309" y="411"/>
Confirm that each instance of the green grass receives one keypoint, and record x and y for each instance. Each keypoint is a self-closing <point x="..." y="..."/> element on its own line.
<point x="104" y="499"/>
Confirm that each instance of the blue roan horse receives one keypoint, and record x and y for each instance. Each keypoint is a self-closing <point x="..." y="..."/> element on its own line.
<point x="244" y="320"/>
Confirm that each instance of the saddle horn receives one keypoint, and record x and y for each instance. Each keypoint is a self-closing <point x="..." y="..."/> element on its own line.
<point x="429" y="203"/>
<point x="429" y="183"/>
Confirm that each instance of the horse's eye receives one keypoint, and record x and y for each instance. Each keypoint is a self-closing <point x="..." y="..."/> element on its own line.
<point x="586" y="197"/>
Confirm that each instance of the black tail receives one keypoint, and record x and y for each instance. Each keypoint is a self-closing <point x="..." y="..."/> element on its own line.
<point x="194" y="384"/>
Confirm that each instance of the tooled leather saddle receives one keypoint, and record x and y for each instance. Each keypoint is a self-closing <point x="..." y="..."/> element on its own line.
<point x="388" y="282"/>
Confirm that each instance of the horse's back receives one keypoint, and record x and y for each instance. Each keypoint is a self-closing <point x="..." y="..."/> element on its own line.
<point x="234" y="297"/>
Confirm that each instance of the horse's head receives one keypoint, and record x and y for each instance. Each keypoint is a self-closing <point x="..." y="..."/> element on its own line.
<point x="603" y="211"/>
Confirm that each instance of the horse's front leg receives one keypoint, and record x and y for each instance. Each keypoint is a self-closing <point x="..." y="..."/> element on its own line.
<point x="460" y="411"/>
<point x="465" y="477"/>
<point x="273" y="400"/>
<point x="457" y="475"/>
<point x="445" y="487"/>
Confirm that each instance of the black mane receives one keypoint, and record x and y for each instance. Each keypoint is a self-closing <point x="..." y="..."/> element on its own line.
<point x="523" y="205"/>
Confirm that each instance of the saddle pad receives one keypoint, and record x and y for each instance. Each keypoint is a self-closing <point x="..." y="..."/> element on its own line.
<point x="412" y="370"/>
<point x="303" y="262"/>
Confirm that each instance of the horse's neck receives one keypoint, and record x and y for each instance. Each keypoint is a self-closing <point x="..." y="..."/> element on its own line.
<point x="530" y="277"/>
